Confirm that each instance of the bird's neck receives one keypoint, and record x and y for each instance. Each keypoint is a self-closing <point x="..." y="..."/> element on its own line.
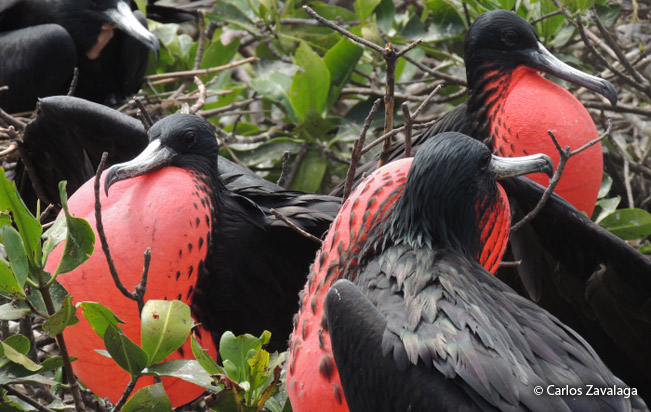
<point x="489" y="85"/>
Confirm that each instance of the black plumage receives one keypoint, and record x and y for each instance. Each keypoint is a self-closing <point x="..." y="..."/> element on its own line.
<point x="41" y="42"/>
<point x="252" y="269"/>
<point x="424" y="327"/>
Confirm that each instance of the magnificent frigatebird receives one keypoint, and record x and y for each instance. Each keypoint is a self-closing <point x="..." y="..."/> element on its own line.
<point x="511" y="107"/>
<point x="213" y="247"/>
<point x="423" y="326"/>
<point x="41" y="42"/>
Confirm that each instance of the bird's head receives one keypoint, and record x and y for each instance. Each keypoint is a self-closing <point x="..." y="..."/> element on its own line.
<point x="88" y="21"/>
<point x="179" y="140"/>
<point x="502" y="40"/>
<point x="451" y="175"/>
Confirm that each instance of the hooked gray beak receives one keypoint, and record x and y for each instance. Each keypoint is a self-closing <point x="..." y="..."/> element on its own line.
<point x="153" y="158"/>
<point x="517" y="166"/>
<point x="541" y="59"/>
<point x="123" y="18"/>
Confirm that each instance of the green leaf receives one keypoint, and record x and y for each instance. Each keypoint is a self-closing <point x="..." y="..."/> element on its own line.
<point x="19" y="342"/>
<point x="235" y="350"/>
<point x="54" y="235"/>
<point x="11" y="311"/>
<point x="628" y="224"/>
<point x="17" y="357"/>
<point x="386" y="11"/>
<point x="165" y="326"/>
<point x="259" y="364"/>
<point x="274" y="85"/>
<point x="51" y="364"/>
<point x="9" y="283"/>
<point x="151" y="398"/>
<point x="124" y="351"/>
<point x="79" y="240"/>
<point x="608" y="14"/>
<point x="605" y="207"/>
<point x="219" y="54"/>
<point x="311" y="172"/>
<point x="204" y="359"/>
<point x="99" y="316"/>
<point x="28" y="226"/>
<point x="341" y="60"/>
<point x="310" y="84"/>
<point x="64" y="317"/>
<point x="188" y="370"/>
<point x="606" y="183"/>
<point x="364" y="8"/>
<point x="16" y="252"/>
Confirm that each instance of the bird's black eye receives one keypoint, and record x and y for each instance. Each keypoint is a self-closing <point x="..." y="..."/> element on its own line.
<point x="510" y="37"/>
<point x="189" y="138"/>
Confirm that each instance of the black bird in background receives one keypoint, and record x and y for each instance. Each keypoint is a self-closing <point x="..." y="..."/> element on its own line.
<point x="424" y="327"/>
<point x="41" y="42"/>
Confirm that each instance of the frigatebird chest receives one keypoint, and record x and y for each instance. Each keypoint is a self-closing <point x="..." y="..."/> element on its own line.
<point x="168" y="211"/>
<point x="521" y="107"/>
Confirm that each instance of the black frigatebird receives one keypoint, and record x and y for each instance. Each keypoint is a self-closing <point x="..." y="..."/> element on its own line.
<point x="511" y="107"/>
<point x="41" y="42"/>
<point x="423" y="326"/>
<point x="214" y="243"/>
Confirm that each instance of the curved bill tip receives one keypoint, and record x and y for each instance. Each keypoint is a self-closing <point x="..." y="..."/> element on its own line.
<point x="541" y="59"/>
<point x="153" y="158"/>
<point x="124" y="19"/>
<point x="517" y="166"/>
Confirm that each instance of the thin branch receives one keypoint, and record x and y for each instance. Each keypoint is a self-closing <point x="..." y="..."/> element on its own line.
<point x="618" y="51"/>
<point x="26" y="399"/>
<point x="285" y="169"/>
<point x="565" y="155"/>
<point x="35" y="310"/>
<point x="13" y="146"/>
<point x="224" y="109"/>
<point x="142" y="286"/>
<point x="292" y="226"/>
<point x="343" y="31"/>
<point x="73" y="83"/>
<point x="618" y="109"/>
<point x="407" y="48"/>
<point x="394" y="132"/>
<point x="202" y="72"/>
<point x="12" y="120"/>
<point x="510" y="264"/>
<point x="357" y="150"/>
<point x="198" y="57"/>
<point x="264" y="30"/>
<point x="427" y="100"/>
<point x="102" y="234"/>
<point x="545" y="17"/>
<point x="145" y="118"/>
<point x="202" y="96"/>
<point x="627" y="174"/>
<point x="409" y="122"/>
<point x="378" y="93"/>
<point x="125" y="395"/>
<point x="390" y="57"/>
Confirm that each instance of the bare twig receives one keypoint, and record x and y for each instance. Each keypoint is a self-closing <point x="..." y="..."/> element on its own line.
<point x="202" y="96"/>
<point x="264" y="30"/>
<point x="142" y="286"/>
<point x="144" y="116"/>
<point x="198" y="57"/>
<point x="357" y="149"/>
<point x="627" y="174"/>
<point x="618" y="109"/>
<point x="285" y="169"/>
<point x="232" y="106"/>
<point x="565" y="155"/>
<point x="12" y="120"/>
<point x="201" y="72"/>
<point x="427" y="100"/>
<point x="617" y="50"/>
<point x="13" y="146"/>
<point x="125" y="395"/>
<point x="102" y="234"/>
<point x="510" y="264"/>
<point x="409" y="122"/>
<point x="292" y="226"/>
<point x="394" y="132"/>
<point x="26" y="399"/>
<point x="379" y="93"/>
<point x="343" y="31"/>
<point x="545" y="17"/>
<point x="73" y="83"/>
